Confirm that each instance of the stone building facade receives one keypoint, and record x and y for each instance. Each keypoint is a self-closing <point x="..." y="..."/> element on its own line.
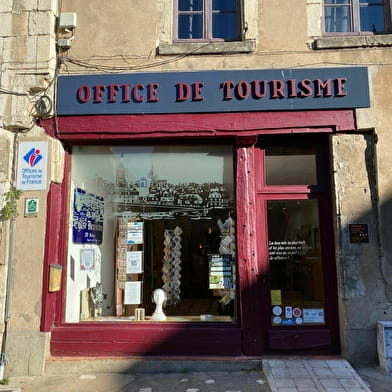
<point x="59" y="86"/>
<point x="27" y="72"/>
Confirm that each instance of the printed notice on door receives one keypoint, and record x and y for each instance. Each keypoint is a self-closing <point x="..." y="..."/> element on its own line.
<point x="284" y="250"/>
<point x="313" y="315"/>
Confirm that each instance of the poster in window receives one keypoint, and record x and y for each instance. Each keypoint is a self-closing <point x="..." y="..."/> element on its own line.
<point x="87" y="259"/>
<point x="135" y="233"/>
<point x="133" y="293"/>
<point x="134" y="263"/>
<point x="87" y="223"/>
<point x="220" y="271"/>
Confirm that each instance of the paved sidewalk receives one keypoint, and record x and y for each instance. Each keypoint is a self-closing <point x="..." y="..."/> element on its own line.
<point x="214" y="381"/>
<point x="311" y="375"/>
<point x="278" y="375"/>
<point x="376" y="378"/>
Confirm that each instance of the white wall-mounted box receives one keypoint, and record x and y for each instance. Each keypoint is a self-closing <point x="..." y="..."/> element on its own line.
<point x="68" y="20"/>
<point x="64" y="43"/>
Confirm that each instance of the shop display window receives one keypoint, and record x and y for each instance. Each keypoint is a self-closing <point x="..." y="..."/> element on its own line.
<point x="151" y="234"/>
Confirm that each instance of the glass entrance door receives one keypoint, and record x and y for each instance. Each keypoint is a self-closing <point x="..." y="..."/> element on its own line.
<point x="296" y="246"/>
<point x="295" y="263"/>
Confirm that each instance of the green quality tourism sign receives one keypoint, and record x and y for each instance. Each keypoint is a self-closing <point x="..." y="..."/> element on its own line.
<point x="213" y="91"/>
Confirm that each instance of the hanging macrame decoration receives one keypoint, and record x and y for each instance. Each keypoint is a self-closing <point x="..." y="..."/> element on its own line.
<point x="227" y="243"/>
<point x="227" y="247"/>
<point x="172" y="265"/>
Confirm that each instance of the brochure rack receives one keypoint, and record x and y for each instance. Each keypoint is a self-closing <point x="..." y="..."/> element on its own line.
<point x="129" y="265"/>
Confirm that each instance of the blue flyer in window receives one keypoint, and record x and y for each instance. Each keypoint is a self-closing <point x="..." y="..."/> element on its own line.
<point x="220" y="271"/>
<point x="87" y="223"/>
<point x="135" y="233"/>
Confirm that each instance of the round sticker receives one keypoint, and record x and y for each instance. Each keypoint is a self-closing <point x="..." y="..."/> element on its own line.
<point x="277" y="320"/>
<point x="277" y="310"/>
<point x="297" y="312"/>
<point x="298" y="320"/>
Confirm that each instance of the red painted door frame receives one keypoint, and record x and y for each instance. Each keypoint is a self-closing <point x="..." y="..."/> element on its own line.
<point x="106" y="339"/>
<point x="324" y="338"/>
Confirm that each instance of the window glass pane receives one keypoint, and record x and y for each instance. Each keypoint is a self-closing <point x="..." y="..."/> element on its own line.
<point x="381" y="2"/>
<point x="337" y="19"/>
<point x="337" y="2"/>
<point x="290" y="166"/>
<point x="295" y="263"/>
<point x="224" y="5"/>
<point x="225" y="26"/>
<point x="190" y="5"/>
<point x="190" y="26"/>
<point x="372" y="18"/>
<point x="149" y="217"/>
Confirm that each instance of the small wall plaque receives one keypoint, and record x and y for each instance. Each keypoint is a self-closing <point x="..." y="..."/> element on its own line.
<point x="359" y="233"/>
<point x="31" y="207"/>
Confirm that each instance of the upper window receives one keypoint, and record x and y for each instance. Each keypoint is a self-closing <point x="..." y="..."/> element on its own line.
<point x="208" y="20"/>
<point x="290" y="165"/>
<point x="355" y="16"/>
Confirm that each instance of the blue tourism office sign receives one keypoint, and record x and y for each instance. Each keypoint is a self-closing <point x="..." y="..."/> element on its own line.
<point x="213" y="91"/>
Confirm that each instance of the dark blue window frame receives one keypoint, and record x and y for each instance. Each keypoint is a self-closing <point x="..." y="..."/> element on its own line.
<point x="356" y="17"/>
<point x="207" y="20"/>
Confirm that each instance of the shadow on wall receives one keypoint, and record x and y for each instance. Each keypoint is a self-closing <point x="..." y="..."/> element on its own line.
<point x="365" y="266"/>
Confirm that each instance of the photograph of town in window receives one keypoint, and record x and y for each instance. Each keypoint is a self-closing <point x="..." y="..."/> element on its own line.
<point x="168" y="211"/>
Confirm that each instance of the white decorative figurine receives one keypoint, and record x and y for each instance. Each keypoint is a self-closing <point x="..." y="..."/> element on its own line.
<point x="159" y="297"/>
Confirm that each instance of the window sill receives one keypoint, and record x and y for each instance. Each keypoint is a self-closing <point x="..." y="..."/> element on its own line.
<point x="352" y="42"/>
<point x="197" y="48"/>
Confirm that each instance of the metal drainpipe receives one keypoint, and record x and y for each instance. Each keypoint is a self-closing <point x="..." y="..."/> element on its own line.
<point x="11" y="243"/>
<point x="3" y="357"/>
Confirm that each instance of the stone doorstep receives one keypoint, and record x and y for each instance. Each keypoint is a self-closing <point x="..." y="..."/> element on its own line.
<point x="279" y="372"/>
<point x="61" y="365"/>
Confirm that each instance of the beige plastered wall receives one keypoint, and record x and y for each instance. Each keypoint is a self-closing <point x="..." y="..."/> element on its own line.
<point x="27" y="69"/>
<point x="361" y="166"/>
<point x="125" y="36"/>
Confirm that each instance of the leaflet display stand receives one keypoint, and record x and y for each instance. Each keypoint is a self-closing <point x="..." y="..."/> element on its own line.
<point x="129" y="265"/>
